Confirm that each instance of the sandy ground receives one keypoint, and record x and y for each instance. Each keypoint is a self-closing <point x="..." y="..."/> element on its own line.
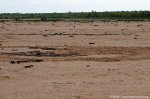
<point x="74" y="60"/>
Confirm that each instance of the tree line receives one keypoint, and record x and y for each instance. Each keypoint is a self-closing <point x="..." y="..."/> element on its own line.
<point x="79" y="15"/>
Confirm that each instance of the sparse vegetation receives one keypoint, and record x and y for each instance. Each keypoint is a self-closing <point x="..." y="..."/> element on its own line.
<point x="118" y="15"/>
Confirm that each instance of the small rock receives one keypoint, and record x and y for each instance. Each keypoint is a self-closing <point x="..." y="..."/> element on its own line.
<point x="29" y="66"/>
<point x="78" y="97"/>
<point x="135" y="37"/>
<point x="14" y="49"/>
<point x="71" y="36"/>
<point x="65" y="48"/>
<point x="91" y="43"/>
<point x="12" y="62"/>
<point x="140" y="25"/>
<point x="88" y="66"/>
<point x="45" y="35"/>
<point x="96" y="25"/>
<point x="1" y="68"/>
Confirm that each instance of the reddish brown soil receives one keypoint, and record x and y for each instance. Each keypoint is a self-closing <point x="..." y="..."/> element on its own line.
<point x="74" y="60"/>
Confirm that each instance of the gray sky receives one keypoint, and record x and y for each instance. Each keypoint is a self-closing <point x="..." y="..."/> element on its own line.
<point x="46" y="6"/>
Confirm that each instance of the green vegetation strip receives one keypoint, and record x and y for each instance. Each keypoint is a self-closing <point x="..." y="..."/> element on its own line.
<point x="118" y="15"/>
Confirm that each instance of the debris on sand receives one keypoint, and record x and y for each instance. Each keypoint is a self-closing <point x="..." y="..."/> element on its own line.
<point x="14" y="49"/>
<point x="33" y="47"/>
<point x="77" y="97"/>
<point x="35" y="53"/>
<point x="32" y="60"/>
<point x="71" y="36"/>
<point x="139" y="25"/>
<point x="12" y="62"/>
<point x="47" y="48"/>
<point x="52" y="52"/>
<point x="135" y="37"/>
<point x="29" y="66"/>
<point x="45" y="35"/>
<point x="95" y="25"/>
<point x="38" y="60"/>
<point x="26" y="61"/>
<point x="87" y="65"/>
<point x="58" y="34"/>
<point x="4" y="77"/>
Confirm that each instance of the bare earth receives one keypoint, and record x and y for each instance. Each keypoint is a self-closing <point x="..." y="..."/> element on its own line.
<point x="74" y="60"/>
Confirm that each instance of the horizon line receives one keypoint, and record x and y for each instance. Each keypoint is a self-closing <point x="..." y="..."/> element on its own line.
<point x="71" y="12"/>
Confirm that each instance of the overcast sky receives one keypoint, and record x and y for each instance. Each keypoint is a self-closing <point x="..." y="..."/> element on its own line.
<point x="46" y="6"/>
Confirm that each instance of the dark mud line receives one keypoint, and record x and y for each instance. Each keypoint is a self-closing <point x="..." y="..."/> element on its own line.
<point x="77" y="53"/>
<point x="61" y="34"/>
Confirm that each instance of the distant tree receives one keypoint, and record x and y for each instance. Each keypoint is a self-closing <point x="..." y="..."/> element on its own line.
<point x="16" y="19"/>
<point x="43" y="19"/>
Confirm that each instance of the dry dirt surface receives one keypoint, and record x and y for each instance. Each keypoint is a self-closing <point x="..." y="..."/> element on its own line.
<point x="74" y="60"/>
